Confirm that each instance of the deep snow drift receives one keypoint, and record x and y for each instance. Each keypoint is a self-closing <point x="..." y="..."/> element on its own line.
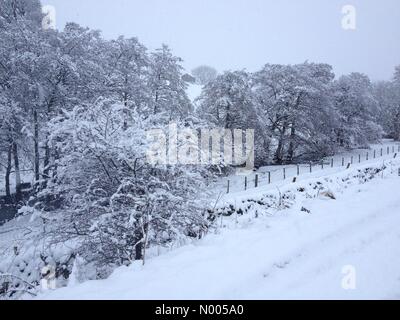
<point x="270" y="253"/>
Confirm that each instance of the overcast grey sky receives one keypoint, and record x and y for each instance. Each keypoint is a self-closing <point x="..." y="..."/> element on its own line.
<point x="237" y="34"/>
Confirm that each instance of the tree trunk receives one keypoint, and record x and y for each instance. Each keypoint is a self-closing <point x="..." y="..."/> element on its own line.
<point x="46" y="161"/>
<point x="397" y="126"/>
<point x="139" y="239"/>
<point x="17" y="173"/>
<point x="290" y="155"/>
<point x="8" y="173"/>
<point x="146" y="231"/>
<point x="125" y="126"/>
<point x="55" y="166"/>
<point x="279" y="150"/>
<point x="138" y="251"/>
<point x="36" y="146"/>
<point x="156" y="104"/>
<point x="47" y="153"/>
<point x="228" y="124"/>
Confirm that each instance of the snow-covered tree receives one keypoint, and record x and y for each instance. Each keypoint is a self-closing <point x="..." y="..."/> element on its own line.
<point x="20" y="62"/>
<point x="12" y="11"/>
<point x="110" y="198"/>
<point x="397" y="75"/>
<point x="357" y="108"/>
<point x="127" y="68"/>
<point x="387" y="97"/>
<point x="295" y="103"/>
<point x="168" y="90"/>
<point x="387" y="94"/>
<point x="204" y="74"/>
<point x="228" y="103"/>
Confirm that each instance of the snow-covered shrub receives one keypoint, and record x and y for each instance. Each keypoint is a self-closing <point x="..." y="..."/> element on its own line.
<point x="111" y="200"/>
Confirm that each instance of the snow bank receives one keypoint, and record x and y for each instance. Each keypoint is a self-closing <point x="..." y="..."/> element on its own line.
<point x="268" y="253"/>
<point x="258" y="201"/>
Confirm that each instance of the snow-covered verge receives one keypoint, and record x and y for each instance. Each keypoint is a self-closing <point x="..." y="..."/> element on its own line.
<point x="385" y="150"/>
<point x="290" y="243"/>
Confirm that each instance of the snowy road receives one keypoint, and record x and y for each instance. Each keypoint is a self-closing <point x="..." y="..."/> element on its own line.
<point x="290" y="255"/>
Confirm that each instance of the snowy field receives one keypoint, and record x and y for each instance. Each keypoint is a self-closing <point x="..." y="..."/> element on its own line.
<point x="272" y="176"/>
<point x="281" y="254"/>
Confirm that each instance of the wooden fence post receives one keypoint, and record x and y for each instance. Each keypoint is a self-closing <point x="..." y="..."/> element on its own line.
<point x="310" y="167"/>
<point x="256" y="181"/>
<point x="269" y="177"/>
<point x="298" y="170"/>
<point x="228" y="187"/>
<point x="342" y="161"/>
<point x="284" y="173"/>
<point x="245" y="183"/>
<point x="332" y="163"/>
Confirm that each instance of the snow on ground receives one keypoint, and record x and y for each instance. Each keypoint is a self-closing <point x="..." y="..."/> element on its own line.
<point x="286" y="254"/>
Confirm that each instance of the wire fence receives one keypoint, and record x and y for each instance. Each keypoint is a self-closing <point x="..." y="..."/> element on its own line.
<point x="293" y="172"/>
